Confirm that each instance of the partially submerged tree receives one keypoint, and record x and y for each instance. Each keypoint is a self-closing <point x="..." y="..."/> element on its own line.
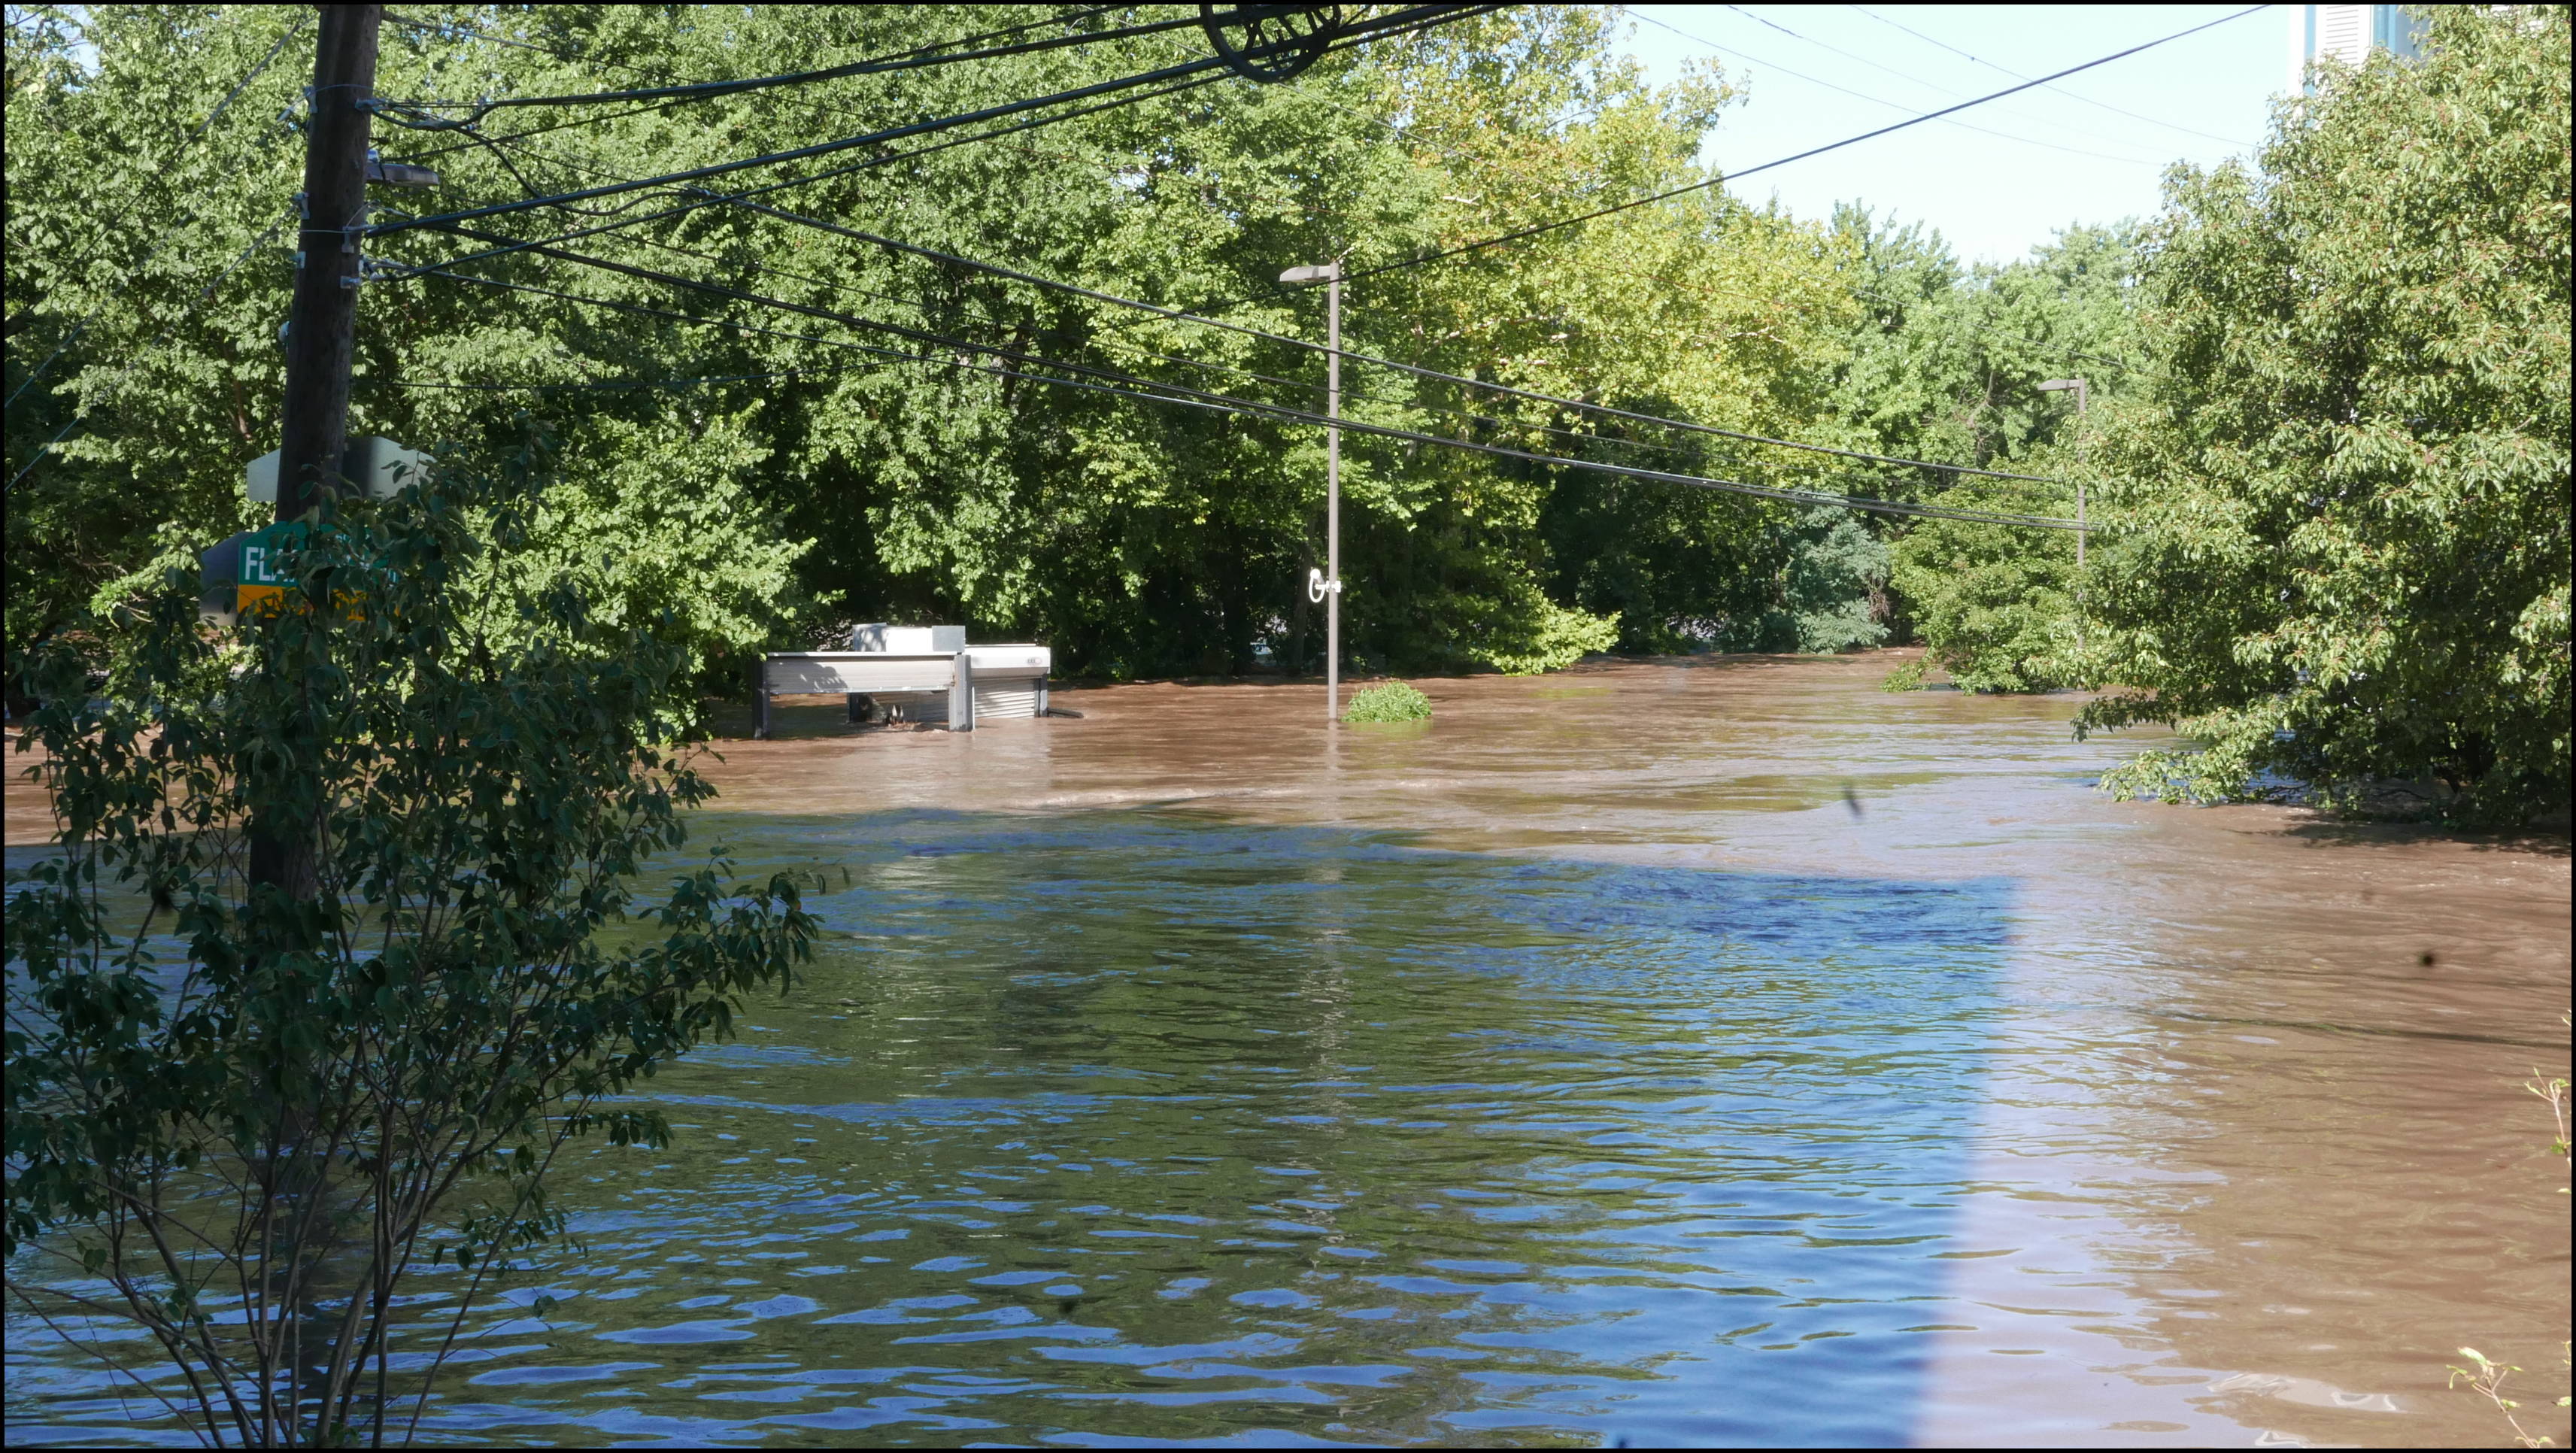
<point x="251" y="1120"/>
<point x="2338" y="514"/>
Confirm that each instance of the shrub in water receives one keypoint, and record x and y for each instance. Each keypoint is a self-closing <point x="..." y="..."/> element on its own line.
<point x="1394" y="701"/>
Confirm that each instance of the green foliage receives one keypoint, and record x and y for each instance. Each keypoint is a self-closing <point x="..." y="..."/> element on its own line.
<point x="309" y="1091"/>
<point x="1947" y="367"/>
<point x="751" y="482"/>
<point x="1908" y="676"/>
<point x="1994" y="604"/>
<point x="2337" y="512"/>
<point x="1833" y="579"/>
<point x="1390" y="702"/>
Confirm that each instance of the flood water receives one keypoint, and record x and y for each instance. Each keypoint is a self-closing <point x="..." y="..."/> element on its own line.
<point x="1716" y="1054"/>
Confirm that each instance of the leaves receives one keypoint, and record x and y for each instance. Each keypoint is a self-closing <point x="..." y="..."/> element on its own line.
<point x="477" y="763"/>
<point x="2338" y="527"/>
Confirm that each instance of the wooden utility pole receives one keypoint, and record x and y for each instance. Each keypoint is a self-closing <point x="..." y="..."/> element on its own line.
<point x="321" y="332"/>
<point x="321" y="322"/>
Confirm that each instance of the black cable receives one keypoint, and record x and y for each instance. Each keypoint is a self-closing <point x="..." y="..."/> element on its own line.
<point x="451" y="28"/>
<point x="1880" y="100"/>
<point x="1417" y="370"/>
<point x="997" y="269"/>
<point x="708" y="90"/>
<point x="2070" y="95"/>
<point x="802" y="153"/>
<point x="1220" y="403"/>
<point x="1203" y="365"/>
<point x="810" y="105"/>
<point x="1719" y="181"/>
<point x="1031" y="124"/>
<point x="1408" y="18"/>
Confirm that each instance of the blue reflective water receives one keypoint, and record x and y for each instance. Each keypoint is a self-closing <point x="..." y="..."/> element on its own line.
<point x="1139" y="1127"/>
<point x="1135" y="1127"/>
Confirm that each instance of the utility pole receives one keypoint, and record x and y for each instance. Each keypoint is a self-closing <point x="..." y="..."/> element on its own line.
<point x="1328" y="587"/>
<point x="321" y="321"/>
<point x="321" y="331"/>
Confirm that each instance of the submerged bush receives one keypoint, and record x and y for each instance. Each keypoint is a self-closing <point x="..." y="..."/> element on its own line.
<point x="1393" y="701"/>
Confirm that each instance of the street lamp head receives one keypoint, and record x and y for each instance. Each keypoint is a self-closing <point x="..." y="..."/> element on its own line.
<point x="1320" y="273"/>
<point x="2060" y="385"/>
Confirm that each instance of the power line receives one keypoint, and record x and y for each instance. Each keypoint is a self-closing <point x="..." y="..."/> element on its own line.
<point x="1177" y="315"/>
<point x="1880" y="100"/>
<point x="1362" y="31"/>
<point x="1187" y="362"/>
<point x="1203" y="365"/>
<point x="1563" y="222"/>
<point x="708" y="90"/>
<point x="451" y="28"/>
<point x="716" y="199"/>
<point x="1220" y="403"/>
<point x="2070" y="95"/>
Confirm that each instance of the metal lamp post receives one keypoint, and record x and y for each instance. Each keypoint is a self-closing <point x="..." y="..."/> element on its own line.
<point x="1327" y="587"/>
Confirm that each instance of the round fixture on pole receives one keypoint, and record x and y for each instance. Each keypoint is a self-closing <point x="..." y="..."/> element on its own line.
<point x="1270" y="43"/>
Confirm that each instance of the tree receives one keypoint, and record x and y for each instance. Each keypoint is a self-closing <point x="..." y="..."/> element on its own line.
<point x="759" y="473"/>
<point x="2337" y="511"/>
<point x="1947" y="367"/>
<point x="254" y="1118"/>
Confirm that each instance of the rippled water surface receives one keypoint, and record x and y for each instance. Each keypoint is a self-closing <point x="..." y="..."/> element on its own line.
<point x="1713" y="1055"/>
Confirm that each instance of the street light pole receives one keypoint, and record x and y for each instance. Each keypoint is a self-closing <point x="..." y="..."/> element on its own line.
<point x="1329" y="588"/>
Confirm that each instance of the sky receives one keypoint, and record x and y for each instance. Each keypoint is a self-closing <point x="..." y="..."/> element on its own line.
<point x="2093" y="149"/>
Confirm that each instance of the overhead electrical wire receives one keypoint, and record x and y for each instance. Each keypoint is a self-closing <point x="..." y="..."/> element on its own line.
<point x="1204" y="365"/>
<point x="451" y="28"/>
<point x="1155" y="391"/>
<point x="2070" y="95"/>
<point x="1436" y="375"/>
<point x="1015" y="274"/>
<point x="1133" y="349"/>
<point x="1896" y="106"/>
<point x="718" y="199"/>
<point x="709" y="90"/>
<point x="2055" y="349"/>
<point x="1361" y="32"/>
<point x="1934" y="86"/>
<point x="1537" y="229"/>
<point x="1433" y="374"/>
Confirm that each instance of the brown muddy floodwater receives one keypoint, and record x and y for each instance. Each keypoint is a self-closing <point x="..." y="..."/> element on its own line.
<point x="1721" y="1053"/>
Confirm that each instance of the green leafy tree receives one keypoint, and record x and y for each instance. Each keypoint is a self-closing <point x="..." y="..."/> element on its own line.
<point x="759" y="473"/>
<point x="1947" y="367"/>
<point x="245" y="1119"/>
<point x="2339" y="506"/>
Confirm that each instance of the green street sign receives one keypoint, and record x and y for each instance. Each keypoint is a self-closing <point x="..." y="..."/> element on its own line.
<point x="261" y="584"/>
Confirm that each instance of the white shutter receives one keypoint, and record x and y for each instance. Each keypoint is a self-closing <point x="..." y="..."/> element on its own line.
<point x="2343" y="31"/>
